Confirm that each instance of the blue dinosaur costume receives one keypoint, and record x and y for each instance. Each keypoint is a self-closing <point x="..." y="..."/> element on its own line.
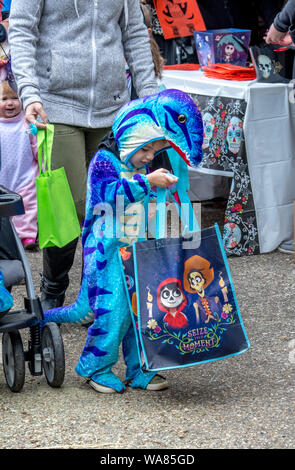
<point x="6" y="300"/>
<point x="170" y="115"/>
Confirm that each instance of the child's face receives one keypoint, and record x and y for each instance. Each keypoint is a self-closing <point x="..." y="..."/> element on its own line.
<point x="146" y="154"/>
<point x="10" y="105"/>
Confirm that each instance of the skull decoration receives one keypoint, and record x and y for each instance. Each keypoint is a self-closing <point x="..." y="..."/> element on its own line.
<point x="265" y="66"/>
<point x="232" y="235"/>
<point x="234" y="134"/>
<point x="209" y="124"/>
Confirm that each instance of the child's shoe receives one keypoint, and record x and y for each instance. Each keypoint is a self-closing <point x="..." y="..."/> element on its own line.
<point x="157" y="383"/>
<point x="29" y="244"/>
<point x="287" y="247"/>
<point x="141" y="381"/>
<point x="101" y="388"/>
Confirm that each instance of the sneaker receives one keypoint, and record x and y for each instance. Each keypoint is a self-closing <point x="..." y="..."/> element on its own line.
<point x="101" y="388"/>
<point x="287" y="247"/>
<point x="157" y="383"/>
<point x="29" y="243"/>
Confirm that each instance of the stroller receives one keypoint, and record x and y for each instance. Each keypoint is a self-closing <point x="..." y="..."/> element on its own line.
<point x="45" y="347"/>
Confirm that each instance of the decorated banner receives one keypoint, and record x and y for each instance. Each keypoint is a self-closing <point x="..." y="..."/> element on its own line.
<point x="224" y="150"/>
<point x="179" y="18"/>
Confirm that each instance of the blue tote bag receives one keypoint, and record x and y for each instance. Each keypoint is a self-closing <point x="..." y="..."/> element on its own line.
<point x="181" y="295"/>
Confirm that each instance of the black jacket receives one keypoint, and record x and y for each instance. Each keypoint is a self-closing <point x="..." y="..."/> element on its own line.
<point x="242" y="14"/>
<point x="285" y="20"/>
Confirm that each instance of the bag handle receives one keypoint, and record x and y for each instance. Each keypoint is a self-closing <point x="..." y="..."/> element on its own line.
<point x="187" y="216"/>
<point x="185" y="208"/>
<point x="45" y="143"/>
<point x="161" y="213"/>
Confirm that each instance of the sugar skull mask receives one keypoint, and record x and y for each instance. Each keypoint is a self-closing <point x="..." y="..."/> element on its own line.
<point x="234" y="134"/>
<point x="232" y="235"/>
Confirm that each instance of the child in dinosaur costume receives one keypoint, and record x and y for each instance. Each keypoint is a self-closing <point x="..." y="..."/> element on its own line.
<point x="119" y="171"/>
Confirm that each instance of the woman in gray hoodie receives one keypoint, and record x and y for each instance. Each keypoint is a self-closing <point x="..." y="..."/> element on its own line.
<point x="68" y="59"/>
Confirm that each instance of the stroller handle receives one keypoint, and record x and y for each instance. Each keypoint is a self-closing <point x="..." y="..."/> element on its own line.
<point x="10" y="203"/>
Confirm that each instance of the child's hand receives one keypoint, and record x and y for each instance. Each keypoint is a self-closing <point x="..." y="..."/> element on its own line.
<point x="161" y="179"/>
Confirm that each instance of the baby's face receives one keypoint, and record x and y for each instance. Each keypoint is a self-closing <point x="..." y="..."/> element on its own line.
<point x="146" y="154"/>
<point x="10" y="106"/>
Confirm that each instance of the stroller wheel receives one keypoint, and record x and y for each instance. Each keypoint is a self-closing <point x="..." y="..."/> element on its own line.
<point x="53" y="355"/>
<point x="13" y="360"/>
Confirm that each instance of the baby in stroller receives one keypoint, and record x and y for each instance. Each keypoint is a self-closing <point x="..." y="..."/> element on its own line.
<point x="45" y="348"/>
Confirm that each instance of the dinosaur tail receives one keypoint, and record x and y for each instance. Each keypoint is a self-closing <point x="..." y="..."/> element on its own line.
<point x="79" y="312"/>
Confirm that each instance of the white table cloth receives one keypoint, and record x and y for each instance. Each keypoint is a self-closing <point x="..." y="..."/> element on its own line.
<point x="269" y="145"/>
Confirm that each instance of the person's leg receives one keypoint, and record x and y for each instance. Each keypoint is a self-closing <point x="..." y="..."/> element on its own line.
<point x="112" y="324"/>
<point x="111" y="319"/>
<point x="92" y="138"/>
<point x="69" y="152"/>
<point x="135" y="377"/>
<point x="57" y="263"/>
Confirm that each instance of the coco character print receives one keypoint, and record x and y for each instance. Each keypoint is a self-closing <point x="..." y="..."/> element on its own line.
<point x="171" y="300"/>
<point x="198" y="274"/>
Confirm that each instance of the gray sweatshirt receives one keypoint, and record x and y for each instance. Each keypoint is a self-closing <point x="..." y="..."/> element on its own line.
<point x="70" y="56"/>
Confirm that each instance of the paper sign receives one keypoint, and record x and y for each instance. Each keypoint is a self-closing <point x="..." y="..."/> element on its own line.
<point x="179" y="18"/>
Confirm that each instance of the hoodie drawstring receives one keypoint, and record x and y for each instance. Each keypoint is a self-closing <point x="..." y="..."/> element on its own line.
<point x="126" y="13"/>
<point x="76" y="8"/>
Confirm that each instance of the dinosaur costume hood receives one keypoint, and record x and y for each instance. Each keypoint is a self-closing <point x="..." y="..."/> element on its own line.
<point x="171" y="115"/>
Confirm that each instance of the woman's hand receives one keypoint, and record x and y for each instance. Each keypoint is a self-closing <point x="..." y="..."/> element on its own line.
<point x="34" y="110"/>
<point x="276" y="37"/>
<point x="160" y="178"/>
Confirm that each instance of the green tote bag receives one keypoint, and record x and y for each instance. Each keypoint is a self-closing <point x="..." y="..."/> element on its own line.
<point x="58" y="223"/>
